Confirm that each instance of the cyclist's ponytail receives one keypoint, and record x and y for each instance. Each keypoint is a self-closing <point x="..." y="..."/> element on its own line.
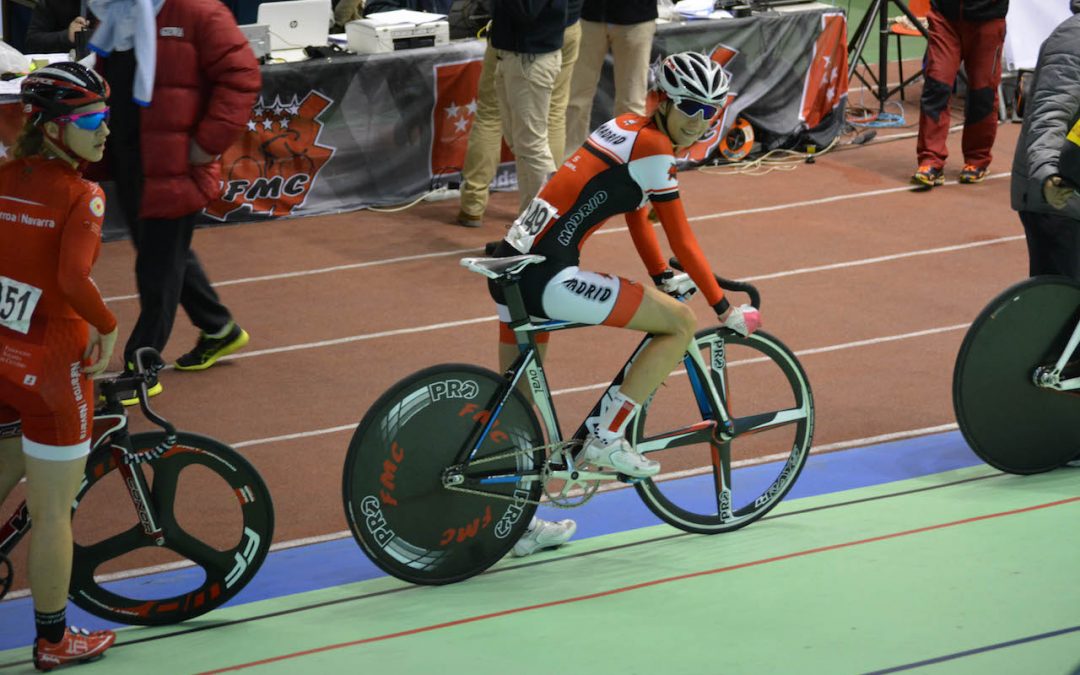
<point x="31" y="141"/>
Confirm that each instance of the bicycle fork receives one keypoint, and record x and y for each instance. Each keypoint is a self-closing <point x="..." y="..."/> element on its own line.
<point x="139" y="490"/>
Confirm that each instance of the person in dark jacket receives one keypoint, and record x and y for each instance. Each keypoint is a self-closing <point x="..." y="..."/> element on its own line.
<point x="626" y="28"/>
<point x="1049" y="206"/>
<point x="53" y="26"/>
<point x="184" y="83"/>
<point x="485" y="136"/>
<point x="528" y="37"/>
<point x="971" y="32"/>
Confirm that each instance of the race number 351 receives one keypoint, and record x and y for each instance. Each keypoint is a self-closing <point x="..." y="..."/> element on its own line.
<point x="17" y="303"/>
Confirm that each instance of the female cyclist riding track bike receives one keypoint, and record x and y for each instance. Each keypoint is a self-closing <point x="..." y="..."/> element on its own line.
<point x="625" y="165"/>
<point x="448" y="466"/>
<point x="55" y="331"/>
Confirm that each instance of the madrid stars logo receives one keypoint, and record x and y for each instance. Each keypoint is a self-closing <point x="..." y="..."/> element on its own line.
<point x="460" y="117"/>
<point x="273" y="166"/>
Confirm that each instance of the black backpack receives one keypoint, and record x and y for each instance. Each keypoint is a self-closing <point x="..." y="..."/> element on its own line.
<point x="468" y="17"/>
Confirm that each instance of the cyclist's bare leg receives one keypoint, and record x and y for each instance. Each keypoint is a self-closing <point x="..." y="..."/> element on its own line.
<point x="51" y="487"/>
<point x="11" y="465"/>
<point x="673" y="323"/>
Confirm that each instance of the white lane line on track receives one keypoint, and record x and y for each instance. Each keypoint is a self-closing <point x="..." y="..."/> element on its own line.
<point x="602" y="385"/>
<point x="606" y="230"/>
<point x="886" y="258"/>
<point x="343" y="534"/>
<point x="760" y="277"/>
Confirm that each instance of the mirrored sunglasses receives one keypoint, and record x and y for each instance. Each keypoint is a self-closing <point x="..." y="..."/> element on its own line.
<point x="87" y="121"/>
<point x="691" y="108"/>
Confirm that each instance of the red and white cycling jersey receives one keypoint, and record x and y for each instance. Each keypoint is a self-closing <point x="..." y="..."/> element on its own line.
<point x="50" y="236"/>
<point x="624" y="165"/>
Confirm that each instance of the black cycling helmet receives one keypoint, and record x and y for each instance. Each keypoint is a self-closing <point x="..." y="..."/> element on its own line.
<point x="58" y="89"/>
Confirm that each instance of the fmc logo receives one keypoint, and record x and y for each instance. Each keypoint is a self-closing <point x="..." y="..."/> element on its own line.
<point x="273" y="166"/>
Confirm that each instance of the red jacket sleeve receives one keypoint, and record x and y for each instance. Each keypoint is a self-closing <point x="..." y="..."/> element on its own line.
<point x="79" y="246"/>
<point x="646" y="241"/>
<point x="229" y="68"/>
<point x="684" y="244"/>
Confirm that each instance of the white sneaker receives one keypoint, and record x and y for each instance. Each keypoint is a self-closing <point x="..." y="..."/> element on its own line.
<point x="544" y="534"/>
<point x="619" y="455"/>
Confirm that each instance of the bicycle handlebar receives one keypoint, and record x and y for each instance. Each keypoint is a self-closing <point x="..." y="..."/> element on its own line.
<point x="729" y="284"/>
<point x="148" y="363"/>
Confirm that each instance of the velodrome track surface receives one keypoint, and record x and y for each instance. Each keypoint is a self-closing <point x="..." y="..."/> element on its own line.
<point x="872" y="285"/>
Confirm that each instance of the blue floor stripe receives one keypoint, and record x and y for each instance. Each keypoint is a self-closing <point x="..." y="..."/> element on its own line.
<point x="341" y="562"/>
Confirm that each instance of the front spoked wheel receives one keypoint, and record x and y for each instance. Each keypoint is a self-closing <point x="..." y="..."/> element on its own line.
<point x="217" y="523"/>
<point x="1010" y="423"/>
<point x="768" y="397"/>
<point x="402" y="512"/>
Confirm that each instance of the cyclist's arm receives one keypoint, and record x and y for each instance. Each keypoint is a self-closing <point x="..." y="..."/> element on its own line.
<point x="686" y="248"/>
<point x="645" y="240"/>
<point x="79" y="245"/>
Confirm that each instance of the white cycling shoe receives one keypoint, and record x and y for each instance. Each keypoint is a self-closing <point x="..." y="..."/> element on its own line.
<point x="544" y="534"/>
<point x="619" y="455"/>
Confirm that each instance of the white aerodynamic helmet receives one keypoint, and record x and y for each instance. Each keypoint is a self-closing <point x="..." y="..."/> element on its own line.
<point x="694" y="76"/>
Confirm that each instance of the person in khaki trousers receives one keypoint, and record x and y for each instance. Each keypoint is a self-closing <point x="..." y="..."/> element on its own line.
<point x="626" y="28"/>
<point x="485" y="137"/>
<point x="528" y="38"/>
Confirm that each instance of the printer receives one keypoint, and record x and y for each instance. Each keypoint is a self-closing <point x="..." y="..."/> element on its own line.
<point x="371" y="37"/>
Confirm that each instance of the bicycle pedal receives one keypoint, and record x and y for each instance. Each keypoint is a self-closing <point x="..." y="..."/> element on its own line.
<point x="630" y="480"/>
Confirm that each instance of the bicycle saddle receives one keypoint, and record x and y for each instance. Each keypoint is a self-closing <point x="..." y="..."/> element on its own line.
<point x="493" y="268"/>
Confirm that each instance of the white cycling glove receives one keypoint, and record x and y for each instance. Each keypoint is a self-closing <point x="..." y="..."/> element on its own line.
<point x="744" y="320"/>
<point x="675" y="284"/>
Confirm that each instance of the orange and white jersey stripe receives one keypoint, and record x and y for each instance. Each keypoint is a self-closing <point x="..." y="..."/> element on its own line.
<point x="624" y="165"/>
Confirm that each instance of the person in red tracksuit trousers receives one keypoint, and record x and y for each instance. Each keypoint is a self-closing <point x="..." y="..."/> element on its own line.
<point x="971" y="32"/>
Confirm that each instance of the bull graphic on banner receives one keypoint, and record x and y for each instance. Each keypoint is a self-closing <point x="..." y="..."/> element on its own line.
<point x="271" y="169"/>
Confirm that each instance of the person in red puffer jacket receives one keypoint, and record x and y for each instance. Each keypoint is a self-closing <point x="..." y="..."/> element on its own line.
<point x="971" y="32"/>
<point x="184" y="83"/>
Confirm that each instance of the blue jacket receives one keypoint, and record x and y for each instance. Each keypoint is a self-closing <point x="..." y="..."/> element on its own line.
<point x="528" y="26"/>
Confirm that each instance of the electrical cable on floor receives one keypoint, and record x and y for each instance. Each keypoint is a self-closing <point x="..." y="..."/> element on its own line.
<point x="395" y="209"/>
<point x="778" y="159"/>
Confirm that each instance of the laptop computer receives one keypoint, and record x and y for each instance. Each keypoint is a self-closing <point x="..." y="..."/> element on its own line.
<point x="295" y="24"/>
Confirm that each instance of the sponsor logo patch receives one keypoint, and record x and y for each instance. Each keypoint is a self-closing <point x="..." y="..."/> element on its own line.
<point x="97" y="206"/>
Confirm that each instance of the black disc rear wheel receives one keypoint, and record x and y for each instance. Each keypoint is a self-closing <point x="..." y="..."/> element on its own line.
<point x="398" y="508"/>
<point x="1010" y="423"/>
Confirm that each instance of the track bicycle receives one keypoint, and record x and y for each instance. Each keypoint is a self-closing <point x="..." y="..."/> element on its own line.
<point x="188" y="498"/>
<point x="1016" y="384"/>
<point x="446" y="468"/>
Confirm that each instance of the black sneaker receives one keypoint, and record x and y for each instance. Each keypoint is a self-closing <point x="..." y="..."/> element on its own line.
<point x="209" y="349"/>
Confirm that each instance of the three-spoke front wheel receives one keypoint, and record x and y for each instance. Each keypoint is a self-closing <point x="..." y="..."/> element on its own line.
<point x="216" y="520"/>
<point x="768" y="398"/>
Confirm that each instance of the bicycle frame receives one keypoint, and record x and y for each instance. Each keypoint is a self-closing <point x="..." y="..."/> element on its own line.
<point x="1050" y="378"/>
<point x="110" y="435"/>
<point x="528" y="365"/>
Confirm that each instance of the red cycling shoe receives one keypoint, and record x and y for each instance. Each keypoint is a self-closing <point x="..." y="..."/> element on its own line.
<point x="76" y="646"/>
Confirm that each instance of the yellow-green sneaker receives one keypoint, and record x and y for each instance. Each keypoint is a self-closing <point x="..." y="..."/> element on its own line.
<point x="209" y="349"/>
